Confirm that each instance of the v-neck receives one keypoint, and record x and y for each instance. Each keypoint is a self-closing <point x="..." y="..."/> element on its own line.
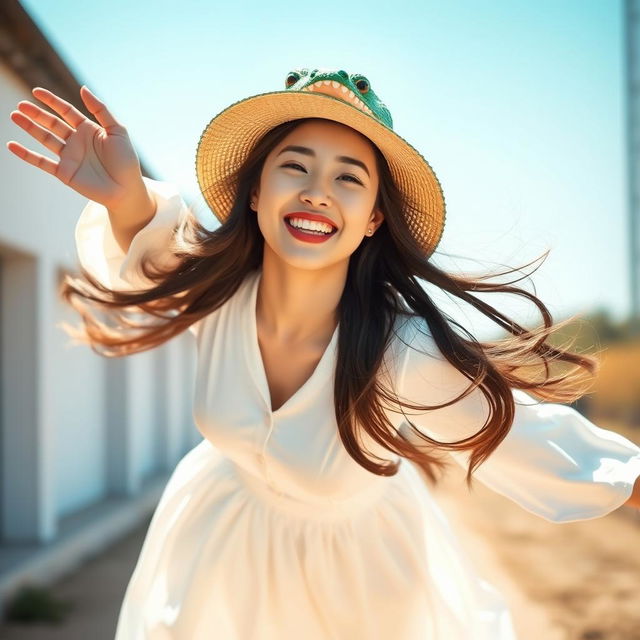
<point x="256" y="363"/>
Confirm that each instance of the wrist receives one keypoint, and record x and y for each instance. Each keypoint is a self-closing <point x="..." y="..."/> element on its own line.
<point x="134" y="210"/>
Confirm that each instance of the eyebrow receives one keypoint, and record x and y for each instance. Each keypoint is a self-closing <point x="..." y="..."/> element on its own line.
<point x="310" y="152"/>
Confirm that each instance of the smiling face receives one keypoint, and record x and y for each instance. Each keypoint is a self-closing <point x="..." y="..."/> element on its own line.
<point x="322" y="170"/>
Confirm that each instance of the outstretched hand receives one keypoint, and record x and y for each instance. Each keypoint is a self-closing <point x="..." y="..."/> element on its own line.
<point x="95" y="159"/>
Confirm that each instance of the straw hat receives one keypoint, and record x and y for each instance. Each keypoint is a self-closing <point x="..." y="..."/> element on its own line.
<point x="334" y="95"/>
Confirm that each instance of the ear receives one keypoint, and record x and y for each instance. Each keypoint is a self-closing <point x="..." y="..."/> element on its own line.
<point x="254" y="194"/>
<point x="376" y="218"/>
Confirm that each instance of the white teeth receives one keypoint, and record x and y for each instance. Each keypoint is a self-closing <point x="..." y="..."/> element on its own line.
<point x="349" y="94"/>
<point x="310" y="225"/>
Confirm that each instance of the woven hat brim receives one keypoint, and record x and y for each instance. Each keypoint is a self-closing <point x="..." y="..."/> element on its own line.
<point x="232" y="134"/>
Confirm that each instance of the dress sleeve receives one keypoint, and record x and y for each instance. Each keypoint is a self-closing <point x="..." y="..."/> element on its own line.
<point x="100" y="254"/>
<point x="553" y="462"/>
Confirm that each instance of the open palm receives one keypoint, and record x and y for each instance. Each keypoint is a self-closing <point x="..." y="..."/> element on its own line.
<point x="95" y="159"/>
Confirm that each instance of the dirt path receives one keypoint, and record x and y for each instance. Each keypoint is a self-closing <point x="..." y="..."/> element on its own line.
<point x="96" y="593"/>
<point x="582" y="578"/>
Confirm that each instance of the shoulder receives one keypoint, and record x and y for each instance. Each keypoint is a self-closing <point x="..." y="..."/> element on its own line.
<point x="232" y="311"/>
<point x="411" y="346"/>
<point x="246" y="291"/>
<point x="421" y="364"/>
<point x="411" y="332"/>
<point x="244" y="295"/>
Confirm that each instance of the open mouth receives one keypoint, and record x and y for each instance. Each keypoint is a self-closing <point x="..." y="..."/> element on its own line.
<point x="310" y="231"/>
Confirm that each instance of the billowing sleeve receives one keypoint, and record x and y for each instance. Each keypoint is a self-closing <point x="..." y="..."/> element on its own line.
<point x="100" y="254"/>
<point x="553" y="462"/>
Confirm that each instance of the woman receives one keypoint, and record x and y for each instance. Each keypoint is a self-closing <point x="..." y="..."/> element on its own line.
<point x="323" y="369"/>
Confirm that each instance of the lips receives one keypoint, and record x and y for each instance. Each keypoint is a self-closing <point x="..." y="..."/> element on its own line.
<point x="315" y="217"/>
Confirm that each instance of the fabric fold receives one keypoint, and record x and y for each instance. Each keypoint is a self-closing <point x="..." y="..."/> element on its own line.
<point x="554" y="462"/>
<point x="101" y="255"/>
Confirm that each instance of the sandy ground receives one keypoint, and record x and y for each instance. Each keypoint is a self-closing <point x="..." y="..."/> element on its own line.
<point x="572" y="581"/>
<point x="584" y="577"/>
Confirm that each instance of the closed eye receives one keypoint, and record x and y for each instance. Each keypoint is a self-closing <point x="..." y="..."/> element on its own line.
<point x="293" y="164"/>
<point x="348" y="176"/>
<point x="352" y="178"/>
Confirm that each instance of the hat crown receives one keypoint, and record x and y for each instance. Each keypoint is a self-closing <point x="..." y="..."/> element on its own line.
<point x="354" y="89"/>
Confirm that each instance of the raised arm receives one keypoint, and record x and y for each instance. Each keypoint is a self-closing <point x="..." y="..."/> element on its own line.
<point x="104" y="257"/>
<point x="128" y="216"/>
<point x="95" y="159"/>
<point x="553" y="462"/>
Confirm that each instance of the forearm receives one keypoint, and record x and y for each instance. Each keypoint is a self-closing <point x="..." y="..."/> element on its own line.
<point x="634" y="499"/>
<point x="131" y="215"/>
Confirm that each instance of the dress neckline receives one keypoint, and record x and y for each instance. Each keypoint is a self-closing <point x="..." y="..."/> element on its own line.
<point x="256" y="363"/>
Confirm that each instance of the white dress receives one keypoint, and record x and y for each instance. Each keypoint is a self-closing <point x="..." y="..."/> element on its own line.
<point x="269" y="530"/>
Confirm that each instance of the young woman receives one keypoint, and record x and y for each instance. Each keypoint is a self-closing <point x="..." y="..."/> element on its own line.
<point x="324" y="368"/>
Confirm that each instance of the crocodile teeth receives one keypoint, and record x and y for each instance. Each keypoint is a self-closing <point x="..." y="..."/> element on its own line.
<point x="349" y="94"/>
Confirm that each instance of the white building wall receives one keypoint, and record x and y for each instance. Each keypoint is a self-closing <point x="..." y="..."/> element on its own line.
<point x="79" y="421"/>
<point x="77" y="431"/>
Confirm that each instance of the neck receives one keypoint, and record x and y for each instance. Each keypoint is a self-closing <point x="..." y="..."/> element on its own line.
<point x="298" y="306"/>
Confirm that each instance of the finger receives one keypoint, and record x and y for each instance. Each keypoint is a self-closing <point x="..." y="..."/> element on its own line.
<point x="99" y="109"/>
<point x="39" y="133"/>
<point x="33" y="158"/>
<point x="60" y="106"/>
<point x="51" y="122"/>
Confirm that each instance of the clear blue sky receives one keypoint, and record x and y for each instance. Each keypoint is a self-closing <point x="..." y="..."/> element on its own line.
<point x="517" y="105"/>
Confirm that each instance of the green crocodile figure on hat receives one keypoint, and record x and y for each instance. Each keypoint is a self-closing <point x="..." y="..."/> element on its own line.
<point x="352" y="88"/>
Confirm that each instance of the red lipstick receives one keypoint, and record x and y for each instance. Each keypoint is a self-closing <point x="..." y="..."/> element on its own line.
<point x="307" y="235"/>
<point x="316" y="217"/>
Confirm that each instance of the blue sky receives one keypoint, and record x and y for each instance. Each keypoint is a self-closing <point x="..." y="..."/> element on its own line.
<point x="517" y="105"/>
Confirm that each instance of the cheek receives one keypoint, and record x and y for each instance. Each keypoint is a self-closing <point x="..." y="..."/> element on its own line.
<point x="276" y="183"/>
<point x="359" y="206"/>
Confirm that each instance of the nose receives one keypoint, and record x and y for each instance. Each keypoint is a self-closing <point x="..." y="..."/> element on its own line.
<point x="315" y="195"/>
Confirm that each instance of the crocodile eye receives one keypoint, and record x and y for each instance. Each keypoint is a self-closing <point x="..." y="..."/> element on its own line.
<point x="292" y="78"/>
<point x="363" y="85"/>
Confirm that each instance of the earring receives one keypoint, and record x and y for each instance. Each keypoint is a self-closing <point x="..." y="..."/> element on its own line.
<point x="369" y="231"/>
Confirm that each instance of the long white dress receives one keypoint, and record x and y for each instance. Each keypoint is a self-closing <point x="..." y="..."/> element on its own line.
<point x="269" y="530"/>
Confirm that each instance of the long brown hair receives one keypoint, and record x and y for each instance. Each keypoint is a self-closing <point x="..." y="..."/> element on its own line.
<point x="382" y="283"/>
